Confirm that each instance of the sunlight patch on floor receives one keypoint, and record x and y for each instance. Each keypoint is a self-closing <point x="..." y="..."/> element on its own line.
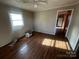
<point x="48" y="42"/>
<point x="68" y="46"/>
<point x="52" y="43"/>
<point x="60" y="44"/>
<point x="56" y="43"/>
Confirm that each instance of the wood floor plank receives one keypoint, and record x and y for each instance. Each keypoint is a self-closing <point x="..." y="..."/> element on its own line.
<point x="39" y="46"/>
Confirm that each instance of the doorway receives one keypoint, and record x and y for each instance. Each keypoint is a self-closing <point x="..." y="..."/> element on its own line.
<point x="63" y="22"/>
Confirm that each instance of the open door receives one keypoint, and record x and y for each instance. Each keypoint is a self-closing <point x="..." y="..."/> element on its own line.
<point x="63" y="20"/>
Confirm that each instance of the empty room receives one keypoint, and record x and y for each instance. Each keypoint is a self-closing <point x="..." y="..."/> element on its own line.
<point x="39" y="29"/>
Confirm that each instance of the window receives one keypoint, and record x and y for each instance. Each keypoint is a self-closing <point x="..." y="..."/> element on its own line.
<point x="16" y="19"/>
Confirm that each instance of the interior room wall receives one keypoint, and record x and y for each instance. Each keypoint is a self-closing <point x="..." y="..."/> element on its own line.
<point x="73" y="32"/>
<point x="45" y="21"/>
<point x="6" y="33"/>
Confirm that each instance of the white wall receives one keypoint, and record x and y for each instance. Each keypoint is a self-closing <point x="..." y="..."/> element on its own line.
<point x="6" y="34"/>
<point x="74" y="28"/>
<point x="45" y="21"/>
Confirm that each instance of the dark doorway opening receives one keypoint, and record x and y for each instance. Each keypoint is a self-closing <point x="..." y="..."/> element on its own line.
<point x="63" y="22"/>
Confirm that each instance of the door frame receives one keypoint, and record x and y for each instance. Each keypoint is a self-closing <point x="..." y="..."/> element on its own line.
<point x="69" y="21"/>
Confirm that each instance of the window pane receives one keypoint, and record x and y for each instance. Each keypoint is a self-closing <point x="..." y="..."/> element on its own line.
<point x="15" y="16"/>
<point x="17" y="23"/>
<point x="16" y="19"/>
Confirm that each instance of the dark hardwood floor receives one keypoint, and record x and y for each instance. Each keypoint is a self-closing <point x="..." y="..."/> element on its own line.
<point x="39" y="46"/>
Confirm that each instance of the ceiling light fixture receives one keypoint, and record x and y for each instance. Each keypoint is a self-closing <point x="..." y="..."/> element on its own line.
<point x="35" y="5"/>
<point x="35" y="2"/>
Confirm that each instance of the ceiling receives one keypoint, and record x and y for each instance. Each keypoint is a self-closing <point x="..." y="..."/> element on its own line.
<point x="50" y="5"/>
